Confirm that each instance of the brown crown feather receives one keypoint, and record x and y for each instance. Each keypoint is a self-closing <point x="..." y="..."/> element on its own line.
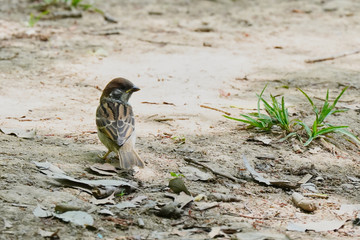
<point x="120" y="83"/>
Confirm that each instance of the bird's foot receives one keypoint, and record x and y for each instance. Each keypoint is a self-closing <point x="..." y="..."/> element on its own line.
<point x="104" y="157"/>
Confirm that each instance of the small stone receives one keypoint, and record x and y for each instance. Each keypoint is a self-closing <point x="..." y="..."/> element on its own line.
<point x="141" y="223"/>
<point x="347" y="186"/>
<point x="319" y="179"/>
<point x="310" y="187"/>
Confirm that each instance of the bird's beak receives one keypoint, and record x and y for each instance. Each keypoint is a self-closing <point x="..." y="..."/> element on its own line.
<point x="134" y="89"/>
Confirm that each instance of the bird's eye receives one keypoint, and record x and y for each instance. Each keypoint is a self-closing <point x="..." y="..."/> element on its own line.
<point x="116" y="93"/>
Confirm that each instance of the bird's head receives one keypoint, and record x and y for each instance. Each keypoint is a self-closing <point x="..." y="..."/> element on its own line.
<point x="119" y="89"/>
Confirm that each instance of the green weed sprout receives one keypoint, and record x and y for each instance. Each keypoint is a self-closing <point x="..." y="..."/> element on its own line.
<point x="72" y="4"/>
<point x="277" y="114"/>
<point x="176" y="175"/>
<point x="34" y="19"/>
<point x="320" y="128"/>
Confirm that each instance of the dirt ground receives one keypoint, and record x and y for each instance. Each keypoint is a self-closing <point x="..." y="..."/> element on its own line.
<point x="182" y="54"/>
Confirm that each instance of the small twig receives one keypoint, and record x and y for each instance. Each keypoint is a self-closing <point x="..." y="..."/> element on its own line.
<point x="161" y="43"/>
<point x="316" y="195"/>
<point x="105" y="32"/>
<point x="305" y="179"/>
<point x="19" y="205"/>
<point x="9" y="58"/>
<point x="63" y="14"/>
<point x="178" y="223"/>
<point x="215" y="109"/>
<point x="168" y="103"/>
<point x="155" y="103"/>
<point x="191" y="160"/>
<point x="150" y="102"/>
<point x="331" y="57"/>
<point x="246" y="216"/>
<point x="163" y="119"/>
<point x="246" y="207"/>
<point x="109" y="18"/>
<point x="252" y="217"/>
<point x="169" y="119"/>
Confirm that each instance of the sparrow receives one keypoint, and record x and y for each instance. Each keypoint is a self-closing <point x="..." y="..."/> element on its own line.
<point x="116" y="124"/>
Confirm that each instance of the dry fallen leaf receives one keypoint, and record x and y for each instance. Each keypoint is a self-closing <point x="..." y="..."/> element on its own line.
<point x="40" y="212"/>
<point x="201" y="206"/>
<point x="21" y="133"/>
<point x="109" y="200"/>
<point x="216" y="232"/>
<point x="104" y="169"/>
<point x="194" y="174"/>
<point x="77" y="217"/>
<point x="170" y="210"/>
<point x="322" y="226"/>
<point x="348" y="208"/>
<point x="125" y="204"/>
<point x="106" y="212"/>
<point x="254" y="174"/>
<point x="182" y="199"/>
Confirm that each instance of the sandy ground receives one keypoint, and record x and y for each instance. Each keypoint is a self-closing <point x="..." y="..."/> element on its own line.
<point x="186" y="53"/>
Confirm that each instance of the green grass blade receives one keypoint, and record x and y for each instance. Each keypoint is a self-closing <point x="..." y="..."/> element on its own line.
<point x="236" y="119"/>
<point x="349" y="134"/>
<point x="308" y="141"/>
<point x="328" y="110"/>
<point x="259" y="97"/>
<point x="267" y="105"/>
<point x="74" y="3"/>
<point x="260" y="116"/>
<point x="315" y="128"/>
<point x="339" y="111"/>
<point x="287" y="136"/>
<point x="329" y="130"/>
<point x="285" y="114"/>
<point x="338" y="97"/>
<point x="306" y="127"/>
<point x="251" y="121"/>
<point x="310" y="101"/>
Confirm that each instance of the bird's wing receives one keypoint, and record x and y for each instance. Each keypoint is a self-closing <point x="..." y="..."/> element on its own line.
<point x="116" y="121"/>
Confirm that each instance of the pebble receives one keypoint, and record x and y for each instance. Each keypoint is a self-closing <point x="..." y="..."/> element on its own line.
<point x="347" y="186"/>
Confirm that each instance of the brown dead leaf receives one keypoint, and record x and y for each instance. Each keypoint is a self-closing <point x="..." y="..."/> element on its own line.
<point x="322" y="226"/>
<point x="202" y="206"/>
<point x="216" y="232"/>
<point x="109" y="200"/>
<point x="21" y="133"/>
<point x="105" y="169"/>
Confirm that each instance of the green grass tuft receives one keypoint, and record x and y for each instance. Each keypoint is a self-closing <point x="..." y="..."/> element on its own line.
<point x="277" y="114"/>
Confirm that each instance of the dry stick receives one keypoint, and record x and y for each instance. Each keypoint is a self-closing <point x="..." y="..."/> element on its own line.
<point x="331" y="57"/>
<point x="305" y="179"/>
<point x="190" y="160"/>
<point x="163" y="43"/>
<point x="219" y="110"/>
<point x="252" y="217"/>
<point x="10" y="58"/>
<point x="169" y="119"/>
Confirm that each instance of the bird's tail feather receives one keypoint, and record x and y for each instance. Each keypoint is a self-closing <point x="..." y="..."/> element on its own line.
<point x="129" y="158"/>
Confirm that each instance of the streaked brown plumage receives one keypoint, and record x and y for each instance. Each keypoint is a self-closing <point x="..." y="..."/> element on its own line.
<point x="116" y="124"/>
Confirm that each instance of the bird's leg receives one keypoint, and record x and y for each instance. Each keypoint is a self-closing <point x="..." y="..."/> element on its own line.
<point x="105" y="156"/>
